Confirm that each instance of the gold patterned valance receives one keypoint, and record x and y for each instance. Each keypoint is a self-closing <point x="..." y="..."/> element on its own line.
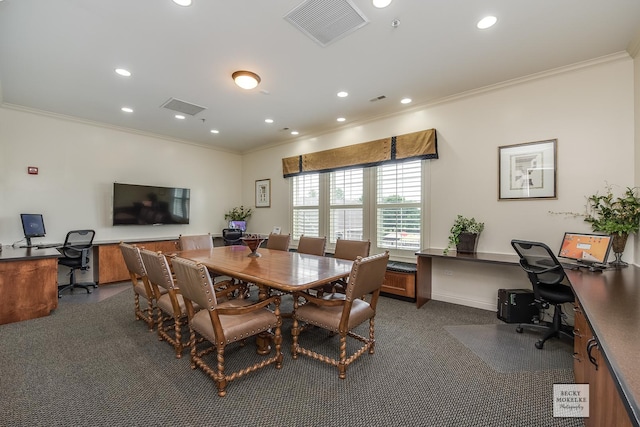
<point x="416" y="145"/>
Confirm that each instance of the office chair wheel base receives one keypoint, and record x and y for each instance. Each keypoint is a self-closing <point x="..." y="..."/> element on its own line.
<point x="519" y="329"/>
<point x="539" y="345"/>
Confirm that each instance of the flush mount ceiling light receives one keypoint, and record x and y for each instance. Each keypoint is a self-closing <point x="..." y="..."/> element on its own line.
<point x="246" y="79"/>
<point x="405" y="101"/>
<point x="486" y="22"/>
<point x="122" y="72"/>
<point x="182" y="2"/>
<point x="381" y="3"/>
<point x="342" y="94"/>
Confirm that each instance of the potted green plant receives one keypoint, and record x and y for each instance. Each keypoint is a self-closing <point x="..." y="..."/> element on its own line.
<point x="464" y="235"/>
<point x="618" y="216"/>
<point x="239" y="213"/>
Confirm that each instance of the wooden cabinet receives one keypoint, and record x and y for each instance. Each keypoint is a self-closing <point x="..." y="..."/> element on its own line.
<point x="110" y="264"/>
<point x="605" y="404"/>
<point x="28" y="284"/>
<point x="400" y="283"/>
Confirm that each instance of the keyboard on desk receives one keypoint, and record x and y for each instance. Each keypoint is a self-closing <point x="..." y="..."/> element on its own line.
<point x="48" y="245"/>
<point x="550" y="263"/>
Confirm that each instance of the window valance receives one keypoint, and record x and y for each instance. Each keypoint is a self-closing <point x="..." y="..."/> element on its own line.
<point x="416" y="145"/>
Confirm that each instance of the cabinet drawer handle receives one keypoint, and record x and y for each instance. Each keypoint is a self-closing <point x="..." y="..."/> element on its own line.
<point x="576" y="356"/>
<point x="590" y="345"/>
<point x="576" y="333"/>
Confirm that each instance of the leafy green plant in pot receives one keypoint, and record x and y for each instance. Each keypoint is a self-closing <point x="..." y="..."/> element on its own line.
<point x="464" y="235"/>
<point x="239" y="213"/>
<point x="618" y="216"/>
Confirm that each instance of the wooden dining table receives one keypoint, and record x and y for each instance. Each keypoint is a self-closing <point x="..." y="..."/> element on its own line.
<point x="281" y="270"/>
<point x="273" y="269"/>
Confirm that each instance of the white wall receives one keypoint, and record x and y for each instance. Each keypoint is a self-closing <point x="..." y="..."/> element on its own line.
<point x="78" y="163"/>
<point x="588" y="109"/>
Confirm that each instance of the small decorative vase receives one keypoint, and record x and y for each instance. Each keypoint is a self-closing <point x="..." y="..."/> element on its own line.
<point x="618" y="245"/>
<point x="253" y="242"/>
<point x="467" y="243"/>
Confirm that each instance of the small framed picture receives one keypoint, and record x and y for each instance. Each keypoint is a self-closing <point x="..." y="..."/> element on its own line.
<point x="527" y="171"/>
<point x="263" y="193"/>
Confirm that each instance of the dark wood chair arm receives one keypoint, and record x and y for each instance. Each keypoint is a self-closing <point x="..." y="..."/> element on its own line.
<point x="249" y="308"/>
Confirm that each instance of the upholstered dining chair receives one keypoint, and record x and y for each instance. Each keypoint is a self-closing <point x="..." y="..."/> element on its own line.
<point x="278" y="241"/>
<point x="172" y="313"/>
<point x="312" y="245"/>
<point x="341" y="316"/>
<point x="200" y="241"/>
<point x="140" y="282"/>
<point x="224" y="323"/>
<point x="346" y="249"/>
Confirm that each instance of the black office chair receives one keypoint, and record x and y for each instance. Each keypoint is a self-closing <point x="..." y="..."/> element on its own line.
<point x="75" y="255"/>
<point x="546" y="275"/>
<point x="232" y="236"/>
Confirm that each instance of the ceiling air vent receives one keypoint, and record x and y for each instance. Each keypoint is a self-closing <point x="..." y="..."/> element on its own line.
<point x="377" y="98"/>
<point x="182" y="107"/>
<point x="326" y="21"/>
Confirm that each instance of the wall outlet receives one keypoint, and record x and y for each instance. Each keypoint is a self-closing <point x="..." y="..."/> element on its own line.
<point x="448" y="273"/>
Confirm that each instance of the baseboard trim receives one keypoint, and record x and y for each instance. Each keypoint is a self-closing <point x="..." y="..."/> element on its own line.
<point x="454" y="299"/>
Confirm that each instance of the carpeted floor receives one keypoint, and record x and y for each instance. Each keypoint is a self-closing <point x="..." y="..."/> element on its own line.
<point x="92" y="365"/>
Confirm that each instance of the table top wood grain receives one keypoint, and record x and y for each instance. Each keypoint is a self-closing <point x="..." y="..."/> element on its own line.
<point x="282" y="270"/>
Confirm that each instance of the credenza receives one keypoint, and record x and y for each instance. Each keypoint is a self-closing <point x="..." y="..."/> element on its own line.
<point x="108" y="261"/>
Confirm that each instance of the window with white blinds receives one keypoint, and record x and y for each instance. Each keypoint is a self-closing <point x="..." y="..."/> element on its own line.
<point x="306" y="205"/>
<point x="346" y="189"/>
<point x="382" y="204"/>
<point x="398" y="205"/>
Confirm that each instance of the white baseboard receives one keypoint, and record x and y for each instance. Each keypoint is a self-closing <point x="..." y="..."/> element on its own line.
<point x="455" y="299"/>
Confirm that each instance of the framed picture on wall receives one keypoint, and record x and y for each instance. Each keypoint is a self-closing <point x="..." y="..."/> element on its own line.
<point x="527" y="171"/>
<point x="263" y="193"/>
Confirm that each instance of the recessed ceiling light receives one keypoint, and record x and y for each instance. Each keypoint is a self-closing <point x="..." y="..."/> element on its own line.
<point x="343" y="94"/>
<point x="381" y="3"/>
<point x="406" y="100"/>
<point x="215" y="131"/>
<point x="341" y="119"/>
<point x="127" y="109"/>
<point x="179" y="117"/>
<point x="294" y="132"/>
<point x="123" y="72"/>
<point x="486" y="22"/>
<point x="182" y="2"/>
<point x="268" y="120"/>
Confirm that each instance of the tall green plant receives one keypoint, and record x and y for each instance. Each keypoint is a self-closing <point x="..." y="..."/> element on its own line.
<point x="239" y="213"/>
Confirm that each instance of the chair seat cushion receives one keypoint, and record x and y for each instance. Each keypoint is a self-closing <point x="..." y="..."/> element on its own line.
<point x="235" y="327"/>
<point x="329" y="317"/>
<point x="556" y="294"/>
<point x="140" y="290"/>
<point x="164" y="303"/>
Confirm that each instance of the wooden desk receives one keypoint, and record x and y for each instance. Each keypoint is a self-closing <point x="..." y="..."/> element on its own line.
<point x="28" y="283"/>
<point x="425" y="256"/>
<point x="611" y="304"/>
<point x="281" y="270"/>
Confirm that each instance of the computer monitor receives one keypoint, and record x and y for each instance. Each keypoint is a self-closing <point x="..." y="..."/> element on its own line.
<point x="238" y="225"/>
<point x="586" y="248"/>
<point x="33" y="226"/>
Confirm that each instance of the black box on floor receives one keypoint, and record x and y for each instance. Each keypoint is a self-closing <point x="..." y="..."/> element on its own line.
<point x="516" y="306"/>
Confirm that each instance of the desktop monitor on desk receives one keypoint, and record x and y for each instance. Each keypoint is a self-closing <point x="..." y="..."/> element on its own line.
<point x="33" y="226"/>
<point x="591" y="250"/>
<point x="238" y="225"/>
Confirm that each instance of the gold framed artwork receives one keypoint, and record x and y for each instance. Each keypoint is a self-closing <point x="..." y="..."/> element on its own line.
<point x="527" y="171"/>
<point x="263" y="193"/>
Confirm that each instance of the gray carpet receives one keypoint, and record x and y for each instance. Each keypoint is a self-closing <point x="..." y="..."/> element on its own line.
<point x="93" y="365"/>
<point x="504" y="350"/>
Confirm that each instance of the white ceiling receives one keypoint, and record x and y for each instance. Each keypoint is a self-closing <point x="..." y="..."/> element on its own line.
<point x="59" y="56"/>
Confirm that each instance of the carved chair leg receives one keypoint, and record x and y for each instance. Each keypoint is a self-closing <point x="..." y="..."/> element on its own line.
<point x="342" y="367"/>
<point x="221" y="380"/>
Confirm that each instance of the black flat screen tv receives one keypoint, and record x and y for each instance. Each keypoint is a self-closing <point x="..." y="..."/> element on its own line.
<point x="150" y="205"/>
